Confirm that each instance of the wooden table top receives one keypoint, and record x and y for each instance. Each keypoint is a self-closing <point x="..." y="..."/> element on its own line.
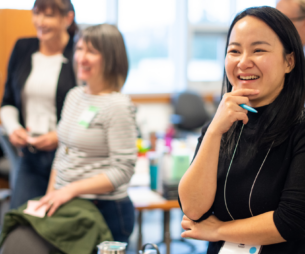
<point x="165" y="206"/>
<point x="143" y="198"/>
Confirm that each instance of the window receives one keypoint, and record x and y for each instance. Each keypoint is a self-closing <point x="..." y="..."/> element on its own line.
<point x="208" y="28"/>
<point x="207" y="56"/>
<point x="96" y="9"/>
<point x="146" y="28"/>
<point x="17" y="4"/>
<point x="207" y="11"/>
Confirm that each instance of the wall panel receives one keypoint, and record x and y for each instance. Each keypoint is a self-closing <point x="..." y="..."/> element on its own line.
<point x="14" y="24"/>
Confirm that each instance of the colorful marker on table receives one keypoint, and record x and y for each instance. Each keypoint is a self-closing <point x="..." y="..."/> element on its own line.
<point x="244" y="106"/>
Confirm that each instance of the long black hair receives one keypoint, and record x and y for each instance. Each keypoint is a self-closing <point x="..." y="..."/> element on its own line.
<point x="287" y="109"/>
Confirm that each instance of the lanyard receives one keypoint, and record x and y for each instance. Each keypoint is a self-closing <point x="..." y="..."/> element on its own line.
<point x="225" y="185"/>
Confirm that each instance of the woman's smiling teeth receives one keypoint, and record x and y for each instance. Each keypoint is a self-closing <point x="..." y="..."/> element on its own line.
<point x="44" y="30"/>
<point x="248" y="77"/>
<point x="85" y="68"/>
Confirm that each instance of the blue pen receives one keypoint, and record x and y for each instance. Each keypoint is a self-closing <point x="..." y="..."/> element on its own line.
<point x="244" y="106"/>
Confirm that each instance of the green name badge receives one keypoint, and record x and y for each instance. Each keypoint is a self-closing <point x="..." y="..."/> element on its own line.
<point x="87" y="116"/>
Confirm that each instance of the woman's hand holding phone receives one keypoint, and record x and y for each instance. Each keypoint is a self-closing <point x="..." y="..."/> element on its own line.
<point x="229" y="110"/>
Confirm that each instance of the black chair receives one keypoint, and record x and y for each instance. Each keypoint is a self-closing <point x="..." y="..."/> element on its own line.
<point x="189" y="112"/>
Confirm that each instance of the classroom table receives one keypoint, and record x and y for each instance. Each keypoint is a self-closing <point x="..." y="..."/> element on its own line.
<point x="143" y="199"/>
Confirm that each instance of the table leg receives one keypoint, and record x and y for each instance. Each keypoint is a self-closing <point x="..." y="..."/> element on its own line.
<point x="167" y="237"/>
<point x="140" y="230"/>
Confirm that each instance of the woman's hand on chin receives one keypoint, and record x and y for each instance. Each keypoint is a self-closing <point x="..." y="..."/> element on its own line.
<point x="229" y="110"/>
<point x="55" y="199"/>
<point x="206" y="230"/>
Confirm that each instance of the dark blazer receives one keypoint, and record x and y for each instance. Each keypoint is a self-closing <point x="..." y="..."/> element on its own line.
<point x="19" y="69"/>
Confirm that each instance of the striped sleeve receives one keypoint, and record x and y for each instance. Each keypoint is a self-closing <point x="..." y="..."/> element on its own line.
<point x="121" y="136"/>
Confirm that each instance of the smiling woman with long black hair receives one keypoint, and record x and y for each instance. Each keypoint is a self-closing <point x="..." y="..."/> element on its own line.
<point x="246" y="182"/>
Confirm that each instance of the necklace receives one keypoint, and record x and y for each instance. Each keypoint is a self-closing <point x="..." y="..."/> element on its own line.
<point x="225" y="185"/>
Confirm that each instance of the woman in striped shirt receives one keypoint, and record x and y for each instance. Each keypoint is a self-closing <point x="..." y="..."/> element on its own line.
<point x="97" y="153"/>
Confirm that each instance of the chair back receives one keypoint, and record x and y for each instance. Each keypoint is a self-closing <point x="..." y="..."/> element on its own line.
<point x="189" y="111"/>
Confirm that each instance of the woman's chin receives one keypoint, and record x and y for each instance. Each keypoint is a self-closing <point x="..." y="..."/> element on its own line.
<point x="45" y="37"/>
<point x="83" y="78"/>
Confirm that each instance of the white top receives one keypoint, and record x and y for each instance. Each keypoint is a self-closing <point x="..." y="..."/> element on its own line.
<point x="106" y="145"/>
<point x="38" y="97"/>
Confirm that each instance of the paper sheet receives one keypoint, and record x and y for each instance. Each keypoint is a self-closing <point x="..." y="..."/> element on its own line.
<point x="32" y="204"/>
